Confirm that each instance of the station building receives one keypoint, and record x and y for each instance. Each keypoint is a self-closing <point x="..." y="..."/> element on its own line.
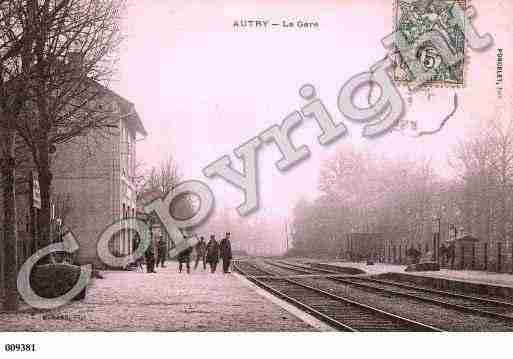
<point x="97" y="173"/>
<point x="94" y="175"/>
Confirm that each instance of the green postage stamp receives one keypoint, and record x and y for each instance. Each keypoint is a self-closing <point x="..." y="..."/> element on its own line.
<point x="416" y="18"/>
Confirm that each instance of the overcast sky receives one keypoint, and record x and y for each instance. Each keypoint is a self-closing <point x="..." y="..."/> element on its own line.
<point x="203" y="87"/>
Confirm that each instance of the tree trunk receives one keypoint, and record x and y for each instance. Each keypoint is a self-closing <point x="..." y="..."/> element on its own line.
<point x="504" y="213"/>
<point x="10" y="232"/>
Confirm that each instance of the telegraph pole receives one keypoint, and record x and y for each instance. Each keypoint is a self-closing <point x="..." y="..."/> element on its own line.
<point x="436" y="238"/>
<point x="287" y="235"/>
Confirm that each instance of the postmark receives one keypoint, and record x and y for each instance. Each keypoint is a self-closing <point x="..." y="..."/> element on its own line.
<point x="414" y="22"/>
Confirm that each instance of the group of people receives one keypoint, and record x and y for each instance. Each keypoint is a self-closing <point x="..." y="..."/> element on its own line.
<point x="207" y="253"/>
<point x="447" y="254"/>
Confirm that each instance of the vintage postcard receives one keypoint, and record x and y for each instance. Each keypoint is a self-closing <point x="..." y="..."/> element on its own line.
<point x="246" y="166"/>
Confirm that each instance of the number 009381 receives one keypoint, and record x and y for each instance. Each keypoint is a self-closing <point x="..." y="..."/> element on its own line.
<point x="20" y="347"/>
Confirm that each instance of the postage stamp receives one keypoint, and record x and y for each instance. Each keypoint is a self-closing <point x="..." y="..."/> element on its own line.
<point x="416" y="19"/>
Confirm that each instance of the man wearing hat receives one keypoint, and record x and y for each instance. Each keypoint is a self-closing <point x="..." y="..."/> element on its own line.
<point x="185" y="257"/>
<point x="161" y="251"/>
<point x="149" y="256"/>
<point x="200" y="249"/>
<point x="212" y="254"/>
<point x="225" y="248"/>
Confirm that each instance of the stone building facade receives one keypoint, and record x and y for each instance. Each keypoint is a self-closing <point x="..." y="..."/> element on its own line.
<point x="94" y="173"/>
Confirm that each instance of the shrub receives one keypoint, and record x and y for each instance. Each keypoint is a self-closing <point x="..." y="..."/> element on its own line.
<point x="54" y="280"/>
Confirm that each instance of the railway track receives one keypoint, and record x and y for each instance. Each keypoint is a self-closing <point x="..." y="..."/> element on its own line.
<point x="462" y="302"/>
<point x="249" y="269"/>
<point x="341" y="313"/>
<point x="475" y="305"/>
<point x="302" y="269"/>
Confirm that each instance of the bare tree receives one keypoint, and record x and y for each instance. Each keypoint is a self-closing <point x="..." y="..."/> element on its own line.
<point x="71" y="58"/>
<point x="366" y="193"/>
<point x="164" y="177"/>
<point x="15" y="44"/>
<point x="471" y="159"/>
<point x="501" y="142"/>
<point x="484" y="165"/>
<point x="55" y="58"/>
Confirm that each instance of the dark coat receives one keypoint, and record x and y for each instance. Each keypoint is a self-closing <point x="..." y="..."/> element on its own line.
<point x="161" y="247"/>
<point x="185" y="255"/>
<point x="212" y="251"/>
<point x="226" y="248"/>
<point x="149" y="255"/>
<point x="201" y="248"/>
<point x="451" y="251"/>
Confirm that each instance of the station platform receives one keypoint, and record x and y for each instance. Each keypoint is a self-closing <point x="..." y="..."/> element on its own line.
<point x="478" y="277"/>
<point x="165" y="301"/>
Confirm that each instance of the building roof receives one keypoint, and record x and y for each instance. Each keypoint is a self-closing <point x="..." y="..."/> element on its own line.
<point x="464" y="238"/>
<point x="128" y="111"/>
<point x="467" y="238"/>
<point x="127" y="108"/>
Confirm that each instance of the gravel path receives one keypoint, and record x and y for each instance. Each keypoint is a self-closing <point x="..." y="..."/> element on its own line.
<point x="166" y="301"/>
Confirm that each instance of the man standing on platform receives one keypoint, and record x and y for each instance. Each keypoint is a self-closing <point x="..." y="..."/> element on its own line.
<point x="200" y="253"/>
<point x="226" y="252"/>
<point x="212" y="256"/>
<point x="161" y="252"/>
<point x="185" y="257"/>
<point x="451" y="254"/>
<point x="149" y="256"/>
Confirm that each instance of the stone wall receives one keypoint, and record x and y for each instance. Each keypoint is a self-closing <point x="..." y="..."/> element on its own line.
<point x="91" y="176"/>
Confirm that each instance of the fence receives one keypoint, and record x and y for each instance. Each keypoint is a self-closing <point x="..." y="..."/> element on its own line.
<point x="24" y="251"/>
<point x="486" y="256"/>
<point x="489" y="256"/>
